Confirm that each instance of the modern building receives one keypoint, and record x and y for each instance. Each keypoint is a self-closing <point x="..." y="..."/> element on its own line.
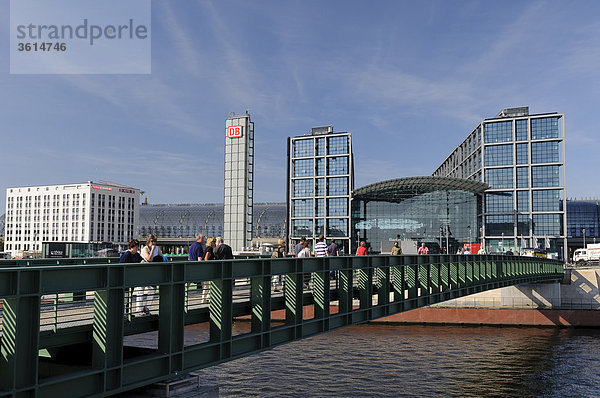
<point x="177" y="225"/>
<point x="239" y="180"/>
<point x="442" y="212"/>
<point x="583" y="223"/>
<point x="319" y="186"/>
<point x="522" y="158"/>
<point x="86" y="213"/>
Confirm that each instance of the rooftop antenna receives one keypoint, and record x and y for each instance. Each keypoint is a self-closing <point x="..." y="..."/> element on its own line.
<point x="231" y="114"/>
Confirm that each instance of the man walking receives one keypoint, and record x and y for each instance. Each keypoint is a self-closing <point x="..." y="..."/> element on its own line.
<point x="396" y="250"/>
<point x="223" y="251"/>
<point x="333" y="249"/>
<point x="423" y="249"/>
<point x="196" y="252"/>
<point x="321" y="247"/>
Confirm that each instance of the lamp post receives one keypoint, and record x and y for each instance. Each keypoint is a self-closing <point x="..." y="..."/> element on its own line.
<point x="502" y="242"/>
<point x="584" y="238"/>
<point x="470" y="239"/>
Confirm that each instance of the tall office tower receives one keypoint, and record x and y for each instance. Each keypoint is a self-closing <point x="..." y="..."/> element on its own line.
<point x="319" y="186"/>
<point x="86" y="213"/>
<point x="239" y="179"/>
<point x="522" y="157"/>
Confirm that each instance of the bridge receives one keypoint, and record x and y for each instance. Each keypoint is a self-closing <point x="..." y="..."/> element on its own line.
<point x="71" y="326"/>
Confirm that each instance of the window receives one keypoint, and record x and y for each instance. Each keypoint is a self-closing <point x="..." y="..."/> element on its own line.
<point x="337" y="145"/>
<point x="501" y="202"/>
<point x="523" y="201"/>
<point x="521" y="126"/>
<point x="498" y="225"/>
<point x="522" y="153"/>
<point x="522" y="225"/>
<point x="320" y="166"/>
<point x="499" y="178"/>
<point x="303" y="168"/>
<point x="337" y="227"/>
<point x="337" y="186"/>
<point x="546" y="224"/>
<point x="303" y="147"/>
<point x="320" y="148"/>
<point x="546" y="200"/>
<point x="545" y="176"/>
<point x="497" y="132"/>
<point x="303" y="188"/>
<point x="499" y="155"/>
<point x="302" y="227"/>
<point x="320" y="186"/>
<point x="320" y="208"/>
<point x="337" y="165"/>
<point x="522" y="177"/>
<point x="544" y="128"/>
<point x="337" y="207"/>
<point x="544" y="152"/>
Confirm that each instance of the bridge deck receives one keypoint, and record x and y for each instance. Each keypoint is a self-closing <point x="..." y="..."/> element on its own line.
<point x="54" y="337"/>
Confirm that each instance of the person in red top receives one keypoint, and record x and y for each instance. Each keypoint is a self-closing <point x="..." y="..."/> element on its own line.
<point x="423" y="249"/>
<point x="362" y="249"/>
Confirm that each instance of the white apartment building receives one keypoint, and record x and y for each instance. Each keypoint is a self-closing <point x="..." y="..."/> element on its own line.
<point x="88" y="212"/>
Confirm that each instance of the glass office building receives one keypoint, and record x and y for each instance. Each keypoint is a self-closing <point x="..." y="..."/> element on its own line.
<point x="583" y="223"/>
<point x="521" y="156"/>
<point x="319" y="185"/>
<point x="442" y="212"/>
<point x="239" y="180"/>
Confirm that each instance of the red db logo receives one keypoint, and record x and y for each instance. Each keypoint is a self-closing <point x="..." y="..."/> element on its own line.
<point x="234" y="131"/>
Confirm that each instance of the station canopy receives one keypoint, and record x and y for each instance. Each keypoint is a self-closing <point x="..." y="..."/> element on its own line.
<point x="400" y="189"/>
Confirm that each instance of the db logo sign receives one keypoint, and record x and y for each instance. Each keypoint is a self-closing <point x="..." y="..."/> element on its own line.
<point x="234" y="131"/>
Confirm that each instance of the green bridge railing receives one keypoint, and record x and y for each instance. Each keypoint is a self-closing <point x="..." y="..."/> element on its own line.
<point x="55" y="343"/>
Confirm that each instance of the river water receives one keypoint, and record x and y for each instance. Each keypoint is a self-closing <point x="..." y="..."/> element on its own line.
<point x="415" y="360"/>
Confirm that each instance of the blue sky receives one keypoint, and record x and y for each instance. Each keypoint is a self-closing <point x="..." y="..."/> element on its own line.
<point x="408" y="79"/>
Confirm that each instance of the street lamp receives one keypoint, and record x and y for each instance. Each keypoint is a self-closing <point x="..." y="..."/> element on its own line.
<point x="470" y="239"/>
<point x="584" y="238"/>
<point x="503" y="242"/>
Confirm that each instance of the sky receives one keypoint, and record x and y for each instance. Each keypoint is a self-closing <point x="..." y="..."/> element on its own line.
<point x="409" y="79"/>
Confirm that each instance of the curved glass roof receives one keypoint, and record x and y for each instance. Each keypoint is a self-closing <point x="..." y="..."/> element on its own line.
<point x="400" y="189"/>
<point x="188" y="220"/>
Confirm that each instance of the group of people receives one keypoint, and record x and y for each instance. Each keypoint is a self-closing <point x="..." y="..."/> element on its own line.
<point x="144" y="295"/>
<point x="302" y="249"/>
<point x="213" y="249"/>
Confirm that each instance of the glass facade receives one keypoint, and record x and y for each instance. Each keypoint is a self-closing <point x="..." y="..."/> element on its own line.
<point x="417" y="218"/>
<point x="321" y="175"/>
<point x="524" y="155"/>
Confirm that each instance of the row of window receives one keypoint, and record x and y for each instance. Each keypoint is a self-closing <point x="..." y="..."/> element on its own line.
<point x="336" y="145"/>
<point x="316" y="207"/>
<point x="336" y="186"/>
<point x="503" y="202"/>
<point x="330" y="227"/>
<point x="307" y="168"/>
<point x="541" y="128"/>
<point x="541" y="176"/>
<point x="541" y="224"/>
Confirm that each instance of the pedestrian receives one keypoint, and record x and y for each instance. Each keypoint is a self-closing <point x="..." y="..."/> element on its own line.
<point x="396" y="250"/>
<point x="333" y="249"/>
<point x="209" y="250"/>
<point x="299" y="246"/>
<point x="144" y="295"/>
<point x="510" y="252"/>
<point x="208" y="255"/>
<point x="459" y="251"/>
<point x="481" y="251"/>
<point x="150" y="250"/>
<point x="321" y="247"/>
<point x="196" y="252"/>
<point x="223" y="250"/>
<point x="423" y="249"/>
<point x="278" y="252"/>
<point x="362" y="249"/>
<point x="305" y="252"/>
<point x="132" y="255"/>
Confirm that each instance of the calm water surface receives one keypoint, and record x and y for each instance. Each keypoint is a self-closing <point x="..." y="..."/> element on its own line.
<point x="405" y="361"/>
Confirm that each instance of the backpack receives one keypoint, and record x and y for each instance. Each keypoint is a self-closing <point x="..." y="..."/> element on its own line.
<point x="276" y="253"/>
